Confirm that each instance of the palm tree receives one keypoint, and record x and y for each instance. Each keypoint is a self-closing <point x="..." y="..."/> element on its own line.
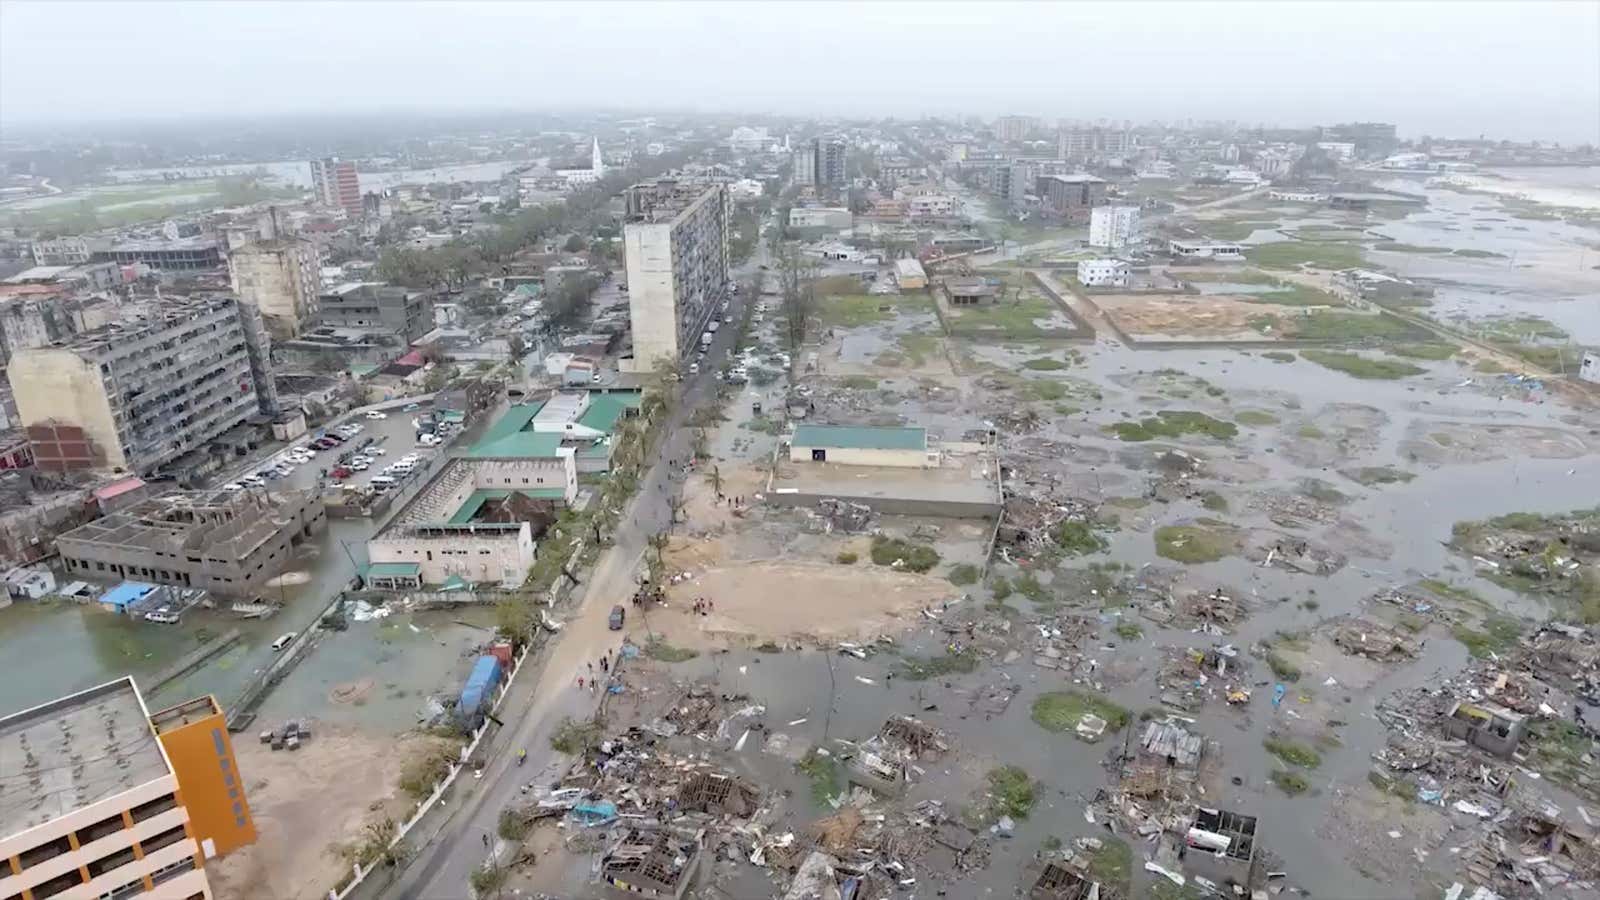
<point x="716" y="479"/>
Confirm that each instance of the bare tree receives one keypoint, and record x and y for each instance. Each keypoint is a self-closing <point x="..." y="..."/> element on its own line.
<point x="797" y="278"/>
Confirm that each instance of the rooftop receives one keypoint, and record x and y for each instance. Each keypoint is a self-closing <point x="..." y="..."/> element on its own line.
<point x="69" y="753"/>
<point x="860" y="437"/>
<point x="222" y="524"/>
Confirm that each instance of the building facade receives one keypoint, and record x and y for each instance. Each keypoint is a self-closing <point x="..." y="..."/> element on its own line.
<point x="1102" y="273"/>
<point x="676" y="244"/>
<point x="1218" y="250"/>
<point x="406" y="313"/>
<point x="187" y="254"/>
<point x="195" y="737"/>
<point x="281" y="279"/>
<point x="1113" y="227"/>
<point x="1087" y="143"/>
<point x="93" y="806"/>
<point x="805" y="167"/>
<point x="336" y="185"/>
<point x="227" y="542"/>
<point x="1013" y="128"/>
<point x="132" y="397"/>
<point x="905" y="448"/>
<point x="1070" y="197"/>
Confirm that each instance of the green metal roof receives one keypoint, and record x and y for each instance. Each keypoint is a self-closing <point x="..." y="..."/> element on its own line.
<point x="516" y="419"/>
<point x="521" y="445"/>
<point x="392" y="570"/>
<point x="852" y="437"/>
<point x="605" y="409"/>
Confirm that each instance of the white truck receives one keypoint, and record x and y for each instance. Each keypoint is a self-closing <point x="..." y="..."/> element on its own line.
<point x="705" y="341"/>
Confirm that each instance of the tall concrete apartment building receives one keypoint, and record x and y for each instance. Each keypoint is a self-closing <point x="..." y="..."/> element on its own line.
<point x="132" y="397"/>
<point x="1014" y="128"/>
<point x="93" y="805"/>
<point x="336" y="184"/>
<point x="1113" y="227"/>
<point x="830" y="164"/>
<point x="676" y="243"/>
<point x="281" y="279"/>
<point x="805" y="166"/>
<point x="1084" y="143"/>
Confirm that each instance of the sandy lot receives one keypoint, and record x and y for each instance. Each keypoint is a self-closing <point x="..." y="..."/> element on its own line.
<point x="761" y="600"/>
<point x="304" y="804"/>
<point x="1176" y="317"/>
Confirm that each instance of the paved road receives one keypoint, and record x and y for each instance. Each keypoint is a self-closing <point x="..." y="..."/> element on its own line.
<point x="540" y="699"/>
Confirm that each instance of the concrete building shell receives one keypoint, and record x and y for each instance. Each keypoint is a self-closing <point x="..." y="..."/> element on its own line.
<point x="676" y="245"/>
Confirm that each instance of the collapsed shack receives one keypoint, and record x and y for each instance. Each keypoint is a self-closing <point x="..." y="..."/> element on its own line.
<point x="651" y="862"/>
<point x="1029" y="522"/>
<point x="1220" y="846"/>
<point x="1491" y="728"/>
<point x="1379" y="643"/>
<point x="886" y="762"/>
<point x="1568" y="846"/>
<point x="1165" y="765"/>
<point x="1189" y="676"/>
<point x="1057" y="882"/>
<point x="823" y="877"/>
<point x="718" y="794"/>
<point x="842" y="516"/>
<point x="1295" y="556"/>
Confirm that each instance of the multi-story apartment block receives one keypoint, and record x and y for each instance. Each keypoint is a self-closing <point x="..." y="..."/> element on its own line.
<point x="93" y="806"/>
<point x="336" y="185"/>
<point x="372" y="304"/>
<point x="1013" y="128"/>
<point x="676" y="243"/>
<point x="131" y="397"/>
<point x="1113" y="226"/>
<point x="1082" y="143"/>
<point x="830" y="162"/>
<point x="1070" y="196"/>
<point x="281" y="279"/>
<point x="805" y="166"/>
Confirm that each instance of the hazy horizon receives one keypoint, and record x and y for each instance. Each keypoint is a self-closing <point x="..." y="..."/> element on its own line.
<point x="1517" y="71"/>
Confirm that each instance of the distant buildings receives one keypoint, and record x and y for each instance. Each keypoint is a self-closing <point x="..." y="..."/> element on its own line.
<point x="1217" y="250"/>
<point x="336" y="185"/>
<point x="1088" y="143"/>
<point x="1343" y="151"/>
<point x="1014" y="128"/>
<point x="835" y="218"/>
<point x="185" y="254"/>
<point x="931" y="206"/>
<point x="1370" y="139"/>
<point x="404" y="313"/>
<point x="227" y="542"/>
<point x="1113" y="227"/>
<point x="133" y="397"/>
<point x="280" y="278"/>
<point x="745" y="139"/>
<point x="675" y="241"/>
<point x="93" y="805"/>
<point x="588" y="174"/>
<point x="1070" y="197"/>
<point x="1103" y="273"/>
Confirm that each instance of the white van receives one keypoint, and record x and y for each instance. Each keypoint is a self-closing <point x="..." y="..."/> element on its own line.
<point x="283" y="640"/>
<point x="382" y="482"/>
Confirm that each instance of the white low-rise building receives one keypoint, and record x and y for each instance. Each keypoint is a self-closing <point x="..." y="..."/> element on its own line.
<point x="1589" y="369"/>
<point x="820" y="217"/>
<point x="931" y="206"/>
<point x="1298" y="196"/>
<point x="1220" y="250"/>
<point x="1103" y="273"/>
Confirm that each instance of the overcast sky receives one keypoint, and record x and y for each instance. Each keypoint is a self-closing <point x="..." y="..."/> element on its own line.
<point x="1516" y="70"/>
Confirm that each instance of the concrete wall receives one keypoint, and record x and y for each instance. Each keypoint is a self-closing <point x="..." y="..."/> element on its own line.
<point x="848" y="456"/>
<point x="52" y="385"/>
<point x="483" y="556"/>
<point x="652" y="302"/>
<point x="946" y="509"/>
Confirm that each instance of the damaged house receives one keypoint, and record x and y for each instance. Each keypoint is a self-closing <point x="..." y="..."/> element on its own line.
<point x="1057" y="882"/>
<point x="1493" y="729"/>
<point x="1220" y="846"/>
<point x="883" y="764"/>
<point x="651" y="863"/>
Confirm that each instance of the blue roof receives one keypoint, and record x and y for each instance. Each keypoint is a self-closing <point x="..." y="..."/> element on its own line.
<point x="126" y="593"/>
<point x="854" y="437"/>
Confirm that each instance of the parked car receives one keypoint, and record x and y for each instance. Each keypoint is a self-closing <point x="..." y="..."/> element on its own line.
<point x="618" y="615"/>
<point x="340" y="473"/>
<point x="283" y="640"/>
<point x="374" y="414"/>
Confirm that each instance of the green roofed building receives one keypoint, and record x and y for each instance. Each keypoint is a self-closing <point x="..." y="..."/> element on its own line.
<point x="580" y="423"/>
<point x="857" y="445"/>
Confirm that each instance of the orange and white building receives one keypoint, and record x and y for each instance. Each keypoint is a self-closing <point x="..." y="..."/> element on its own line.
<point x="93" y="803"/>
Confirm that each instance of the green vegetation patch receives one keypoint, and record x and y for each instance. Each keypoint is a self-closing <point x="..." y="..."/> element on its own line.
<point x="1362" y="367"/>
<point x="824" y="773"/>
<point x="1321" y="491"/>
<point x="1293" y="752"/>
<point x="1060" y="711"/>
<point x="859" y="382"/>
<point x="1077" y="538"/>
<point x="859" y="310"/>
<point x="1348" y="327"/>
<point x="1282" y="667"/>
<point x="847" y="557"/>
<point x="1279" y="356"/>
<point x="1473" y="253"/>
<point x="1255" y="417"/>
<point x="1398" y="247"/>
<point x="1372" y="475"/>
<point x="1293" y="254"/>
<point x="1174" y="424"/>
<point x="1112" y="866"/>
<point x="1198" y="543"/>
<point x="1044" y="364"/>
<point x="886" y="551"/>
<point x="963" y="575"/>
<point x="939" y="666"/>
<point x="574" y="736"/>
<point x="1424" y="351"/>
<point x="661" y="651"/>
<point x="1290" y="782"/>
<point x="1495" y="635"/>
<point x="1128" y="631"/>
<point x="1011" y="792"/>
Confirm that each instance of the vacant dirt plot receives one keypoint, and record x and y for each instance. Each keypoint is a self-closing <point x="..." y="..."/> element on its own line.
<point x="1185" y="317"/>
<point x="307" y="802"/>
